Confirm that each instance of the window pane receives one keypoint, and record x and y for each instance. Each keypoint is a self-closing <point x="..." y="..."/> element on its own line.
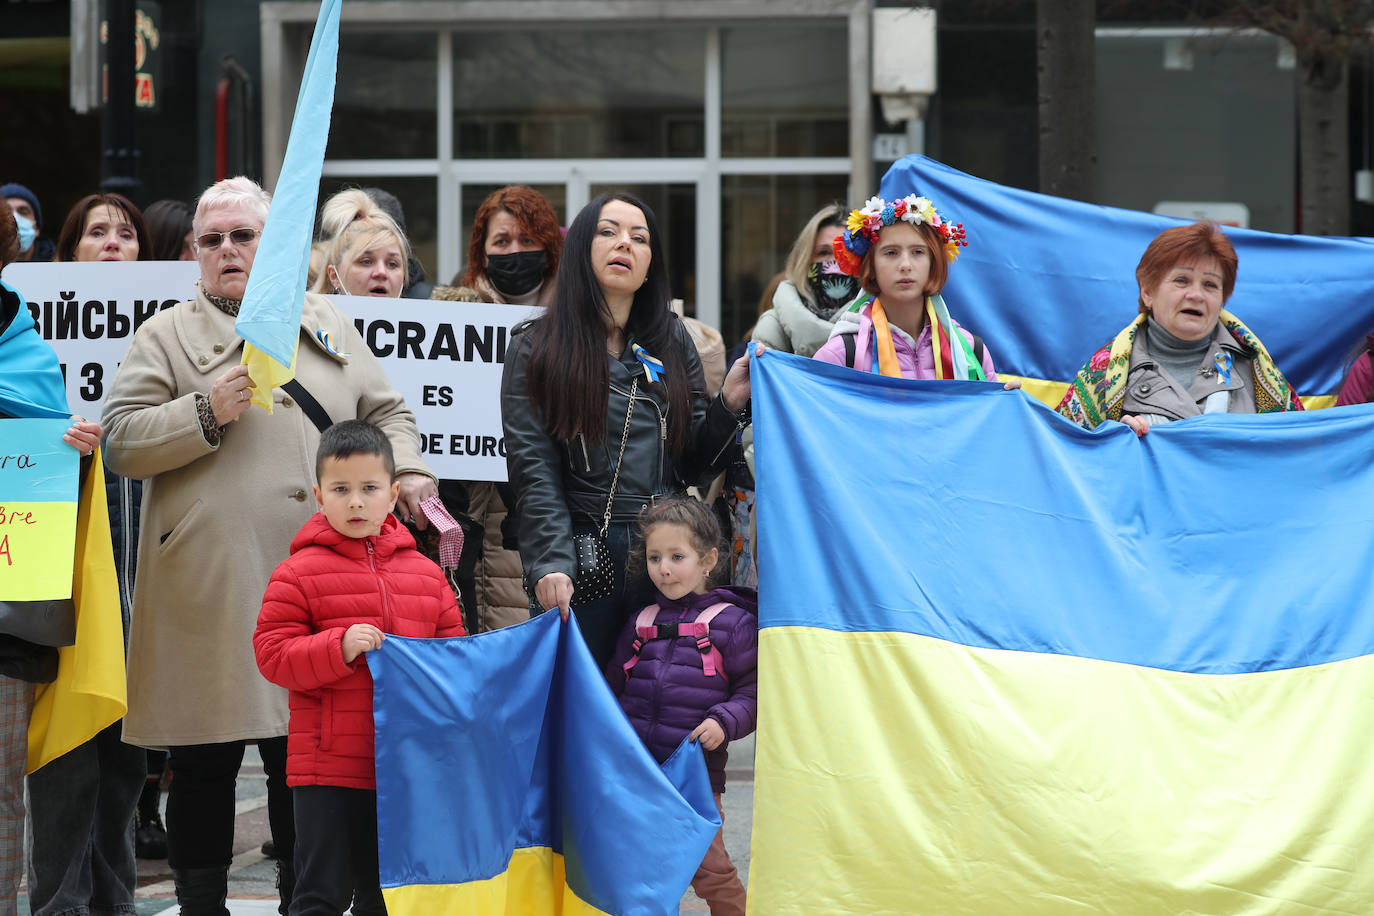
<point x="785" y="91"/>
<point x="761" y="216"/>
<point x="675" y="211"/>
<point x="418" y="201"/>
<point x="579" y="93"/>
<point x="474" y="194"/>
<point x="385" y="103"/>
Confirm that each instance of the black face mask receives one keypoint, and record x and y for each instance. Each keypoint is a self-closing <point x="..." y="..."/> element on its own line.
<point x="515" y="274"/>
<point x="831" y="288"/>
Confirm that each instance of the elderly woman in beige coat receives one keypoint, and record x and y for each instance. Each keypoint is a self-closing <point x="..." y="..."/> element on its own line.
<point x="225" y="490"/>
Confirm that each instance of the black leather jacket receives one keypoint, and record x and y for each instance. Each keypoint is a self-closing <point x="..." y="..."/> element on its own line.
<point x="559" y="485"/>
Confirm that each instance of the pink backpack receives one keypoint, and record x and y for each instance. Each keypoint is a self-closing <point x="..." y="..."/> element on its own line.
<point x="698" y="628"/>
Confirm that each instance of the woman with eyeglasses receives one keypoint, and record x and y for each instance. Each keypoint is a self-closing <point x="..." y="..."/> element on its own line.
<point x="225" y="490"/>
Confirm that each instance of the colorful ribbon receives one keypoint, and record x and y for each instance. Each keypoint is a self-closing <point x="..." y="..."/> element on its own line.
<point x="653" y="366"/>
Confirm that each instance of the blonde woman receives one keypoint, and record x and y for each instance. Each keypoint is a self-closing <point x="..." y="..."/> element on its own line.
<point x="813" y="291"/>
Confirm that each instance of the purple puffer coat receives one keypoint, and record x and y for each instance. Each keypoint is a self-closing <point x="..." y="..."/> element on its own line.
<point x="668" y="694"/>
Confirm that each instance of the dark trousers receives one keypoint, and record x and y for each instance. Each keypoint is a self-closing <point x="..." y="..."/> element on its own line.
<point x="81" y="814"/>
<point x="336" y="852"/>
<point x="200" y="802"/>
<point x="601" y="621"/>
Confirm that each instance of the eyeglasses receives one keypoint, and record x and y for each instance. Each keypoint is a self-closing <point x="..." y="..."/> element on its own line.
<point x="241" y="236"/>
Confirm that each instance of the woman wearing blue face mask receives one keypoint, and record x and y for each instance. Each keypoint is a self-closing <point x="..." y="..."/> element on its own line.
<point x="512" y="256"/>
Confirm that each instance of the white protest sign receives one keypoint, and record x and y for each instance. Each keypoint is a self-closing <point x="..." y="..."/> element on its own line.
<point x="89" y="312"/>
<point x="445" y="358"/>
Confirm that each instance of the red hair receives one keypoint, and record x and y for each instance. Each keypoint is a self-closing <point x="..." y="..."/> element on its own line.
<point x="1186" y="245"/>
<point x="939" y="260"/>
<point x="535" y="215"/>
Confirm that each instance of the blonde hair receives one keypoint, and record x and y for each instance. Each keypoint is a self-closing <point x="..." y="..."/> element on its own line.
<point x="799" y="260"/>
<point x="358" y="236"/>
<point x="343" y="208"/>
<point x="231" y="192"/>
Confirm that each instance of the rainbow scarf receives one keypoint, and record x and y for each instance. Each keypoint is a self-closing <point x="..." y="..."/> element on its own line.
<point x="951" y="361"/>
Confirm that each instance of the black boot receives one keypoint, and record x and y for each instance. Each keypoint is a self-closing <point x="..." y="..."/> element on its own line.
<point x="150" y="837"/>
<point x="202" y="891"/>
<point x="286" y="884"/>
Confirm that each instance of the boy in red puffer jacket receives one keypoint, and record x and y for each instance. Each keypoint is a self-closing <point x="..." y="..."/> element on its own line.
<point x="353" y="577"/>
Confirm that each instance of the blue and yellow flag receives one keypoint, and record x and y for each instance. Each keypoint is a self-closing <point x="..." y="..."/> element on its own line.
<point x="1047" y="281"/>
<point x="509" y="782"/>
<point x="1009" y="666"/>
<point x="270" y="319"/>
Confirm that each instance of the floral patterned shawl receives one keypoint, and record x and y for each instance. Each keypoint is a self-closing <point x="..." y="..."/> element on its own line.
<point x="1099" y="389"/>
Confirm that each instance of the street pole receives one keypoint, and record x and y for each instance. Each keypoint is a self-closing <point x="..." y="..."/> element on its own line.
<point x="119" y="166"/>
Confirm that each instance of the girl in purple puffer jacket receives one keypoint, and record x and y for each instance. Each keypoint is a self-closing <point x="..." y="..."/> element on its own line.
<point x="687" y="665"/>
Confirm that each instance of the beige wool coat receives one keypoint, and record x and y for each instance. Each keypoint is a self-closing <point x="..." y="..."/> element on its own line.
<point x="217" y="520"/>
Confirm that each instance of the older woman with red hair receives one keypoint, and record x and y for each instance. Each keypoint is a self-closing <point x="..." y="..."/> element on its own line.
<point x="1184" y="355"/>
<point x="512" y="257"/>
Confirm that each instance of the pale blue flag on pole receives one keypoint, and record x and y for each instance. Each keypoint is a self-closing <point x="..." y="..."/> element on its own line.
<point x="270" y="318"/>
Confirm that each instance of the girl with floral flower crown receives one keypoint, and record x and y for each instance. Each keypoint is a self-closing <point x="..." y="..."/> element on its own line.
<point x="900" y="252"/>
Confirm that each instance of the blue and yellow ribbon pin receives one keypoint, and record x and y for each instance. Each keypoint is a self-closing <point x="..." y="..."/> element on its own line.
<point x="653" y="366"/>
<point x="329" y="347"/>
<point x="1223" y="363"/>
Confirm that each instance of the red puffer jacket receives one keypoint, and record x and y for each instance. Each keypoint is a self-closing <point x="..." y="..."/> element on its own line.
<point x="330" y="582"/>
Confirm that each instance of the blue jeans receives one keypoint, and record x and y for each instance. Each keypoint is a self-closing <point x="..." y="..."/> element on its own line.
<point x="81" y="815"/>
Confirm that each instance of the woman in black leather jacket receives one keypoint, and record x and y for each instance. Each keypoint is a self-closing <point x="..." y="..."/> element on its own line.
<point x="565" y="397"/>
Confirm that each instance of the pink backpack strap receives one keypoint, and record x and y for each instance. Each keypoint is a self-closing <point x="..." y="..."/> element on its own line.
<point x="711" y="662"/>
<point x="644" y="631"/>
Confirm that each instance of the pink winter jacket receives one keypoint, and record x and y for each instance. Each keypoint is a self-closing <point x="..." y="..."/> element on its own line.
<point x="330" y="582"/>
<point x="914" y="363"/>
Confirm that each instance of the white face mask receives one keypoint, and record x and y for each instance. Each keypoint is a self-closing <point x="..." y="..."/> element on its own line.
<point x="338" y="281"/>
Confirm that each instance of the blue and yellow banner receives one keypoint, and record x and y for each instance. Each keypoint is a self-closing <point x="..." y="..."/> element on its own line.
<point x="1009" y="666"/>
<point x="270" y="318"/>
<point x="1047" y="281"/>
<point x="38" y="483"/>
<point x="509" y="782"/>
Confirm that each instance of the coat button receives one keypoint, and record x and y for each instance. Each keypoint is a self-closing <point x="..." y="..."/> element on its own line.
<point x="204" y="360"/>
<point x="1144" y="388"/>
<point x="219" y="348"/>
<point x="287" y="402"/>
<point x="299" y="496"/>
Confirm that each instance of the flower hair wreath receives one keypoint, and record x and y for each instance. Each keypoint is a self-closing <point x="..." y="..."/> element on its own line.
<point x="862" y="228"/>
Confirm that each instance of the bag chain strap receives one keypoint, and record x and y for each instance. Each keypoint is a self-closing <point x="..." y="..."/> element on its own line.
<point x="615" y="480"/>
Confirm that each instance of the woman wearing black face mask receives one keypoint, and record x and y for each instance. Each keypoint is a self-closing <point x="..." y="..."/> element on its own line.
<point x="512" y="257"/>
<point x="807" y="302"/>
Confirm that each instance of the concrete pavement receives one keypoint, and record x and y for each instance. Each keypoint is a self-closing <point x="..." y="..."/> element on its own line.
<point x="252" y="877"/>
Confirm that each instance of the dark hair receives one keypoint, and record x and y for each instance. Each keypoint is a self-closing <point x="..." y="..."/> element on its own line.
<point x="1183" y="244"/>
<point x="354" y="437"/>
<point x="75" y="224"/>
<point x="569" y="380"/>
<point x="9" y="235"/>
<point x="703" y="528"/>
<point x="168" y="223"/>
<point x="535" y="215"/>
<point x="939" y="261"/>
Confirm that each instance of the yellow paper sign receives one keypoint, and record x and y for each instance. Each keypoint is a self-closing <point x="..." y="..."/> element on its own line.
<point x="38" y="483"/>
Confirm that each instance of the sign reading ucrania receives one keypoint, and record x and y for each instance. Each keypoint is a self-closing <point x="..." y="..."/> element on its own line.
<point x="444" y="357"/>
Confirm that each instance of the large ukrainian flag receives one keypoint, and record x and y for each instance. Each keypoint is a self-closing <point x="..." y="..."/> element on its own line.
<point x="1008" y="666"/>
<point x="1046" y="281"/>
<point x="509" y="782"/>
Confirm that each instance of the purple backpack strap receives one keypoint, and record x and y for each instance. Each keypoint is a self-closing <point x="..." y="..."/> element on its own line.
<point x="644" y="631"/>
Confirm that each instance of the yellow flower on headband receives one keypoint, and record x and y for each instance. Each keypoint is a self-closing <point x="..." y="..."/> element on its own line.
<point x="855" y="221"/>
